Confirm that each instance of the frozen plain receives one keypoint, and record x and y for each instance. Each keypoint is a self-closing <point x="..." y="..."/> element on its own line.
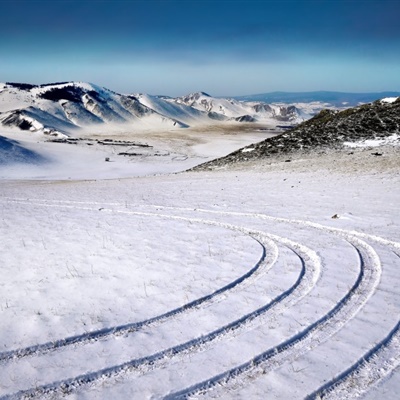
<point x="232" y="283"/>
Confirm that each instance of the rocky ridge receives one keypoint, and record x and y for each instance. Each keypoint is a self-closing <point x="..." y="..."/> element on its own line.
<point x="327" y="130"/>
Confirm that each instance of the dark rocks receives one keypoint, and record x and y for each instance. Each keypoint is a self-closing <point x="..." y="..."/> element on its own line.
<point x="17" y="119"/>
<point x="71" y="93"/>
<point x="245" y="118"/>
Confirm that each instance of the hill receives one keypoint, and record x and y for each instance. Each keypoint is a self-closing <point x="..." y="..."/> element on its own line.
<point x="328" y="129"/>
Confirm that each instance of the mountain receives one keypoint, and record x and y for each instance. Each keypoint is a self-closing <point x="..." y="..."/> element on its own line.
<point x="178" y="111"/>
<point x="65" y="107"/>
<point x="335" y="99"/>
<point x="253" y="110"/>
<point x="329" y="129"/>
<point x="68" y="106"/>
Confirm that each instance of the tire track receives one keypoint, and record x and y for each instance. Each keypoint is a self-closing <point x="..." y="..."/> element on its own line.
<point x="261" y="267"/>
<point x="309" y="338"/>
<point x="395" y="246"/>
<point x="36" y="200"/>
<point x="308" y="276"/>
<point x="375" y="365"/>
<point x="372" y="368"/>
<point x="366" y="373"/>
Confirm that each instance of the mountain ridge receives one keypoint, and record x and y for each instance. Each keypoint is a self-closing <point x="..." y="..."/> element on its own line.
<point x="328" y="129"/>
<point x="65" y="107"/>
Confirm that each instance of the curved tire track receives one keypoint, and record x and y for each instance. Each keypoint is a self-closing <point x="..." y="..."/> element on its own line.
<point x="364" y="371"/>
<point x="310" y="337"/>
<point x="367" y="372"/>
<point x="306" y="280"/>
<point x="261" y="267"/>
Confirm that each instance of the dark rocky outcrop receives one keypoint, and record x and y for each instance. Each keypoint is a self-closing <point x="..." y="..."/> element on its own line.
<point x="245" y="118"/>
<point x="328" y="129"/>
<point x="71" y="93"/>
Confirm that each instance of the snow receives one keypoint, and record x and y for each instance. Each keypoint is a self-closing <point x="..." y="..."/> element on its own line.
<point x="389" y="140"/>
<point x="83" y="85"/>
<point x="179" y="112"/>
<point x="389" y="99"/>
<point x="12" y="152"/>
<point x="171" y="150"/>
<point x="118" y="284"/>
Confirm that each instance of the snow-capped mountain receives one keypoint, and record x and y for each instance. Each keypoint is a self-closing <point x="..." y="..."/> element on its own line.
<point x="176" y="110"/>
<point x="253" y="110"/>
<point x="65" y="107"/>
<point x="68" y="106"/>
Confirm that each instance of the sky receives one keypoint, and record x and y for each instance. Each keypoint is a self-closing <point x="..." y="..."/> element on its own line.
<point x="224" y="48"/>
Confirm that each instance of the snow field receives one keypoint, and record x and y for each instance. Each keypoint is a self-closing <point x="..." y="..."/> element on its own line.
<point x="169" y="152"/>
<point x="290" y="301"/>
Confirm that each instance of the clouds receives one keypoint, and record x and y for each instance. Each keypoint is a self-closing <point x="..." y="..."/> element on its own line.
<point x="232" y="34"/>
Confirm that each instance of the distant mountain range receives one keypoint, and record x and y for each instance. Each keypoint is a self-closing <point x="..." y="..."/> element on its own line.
<point x="335" y="99"/>
<point x="66" y="107"/>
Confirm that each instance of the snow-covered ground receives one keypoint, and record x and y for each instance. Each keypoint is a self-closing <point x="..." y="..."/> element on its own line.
<point x="147" y="152"/>
<point x="276" y="280"/>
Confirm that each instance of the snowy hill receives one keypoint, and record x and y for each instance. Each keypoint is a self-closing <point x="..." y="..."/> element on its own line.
<point x="62" y="108"/>
<point x="367" y="125"/>
<point x="12" y="152"/>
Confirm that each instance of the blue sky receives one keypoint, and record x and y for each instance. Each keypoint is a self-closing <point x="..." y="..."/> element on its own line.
<point x="220" y="47"/>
